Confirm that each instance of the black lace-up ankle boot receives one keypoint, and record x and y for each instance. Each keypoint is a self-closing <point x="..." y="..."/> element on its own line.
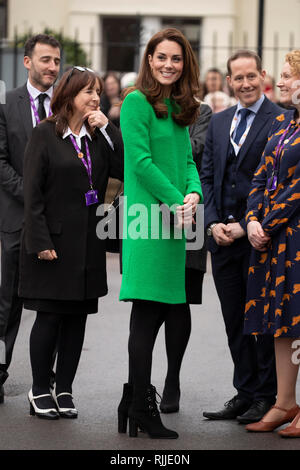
<point x="144" y="415"/>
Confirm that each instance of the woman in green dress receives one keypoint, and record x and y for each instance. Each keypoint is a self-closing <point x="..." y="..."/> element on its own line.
<point x="159" y="169"/>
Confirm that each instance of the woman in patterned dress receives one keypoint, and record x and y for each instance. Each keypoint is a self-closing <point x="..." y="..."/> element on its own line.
<point x="273" y="217"/>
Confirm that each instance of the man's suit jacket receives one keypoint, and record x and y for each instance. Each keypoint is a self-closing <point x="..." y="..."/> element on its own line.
<point x="15" y="130"/>
<point x="215" y="156"/>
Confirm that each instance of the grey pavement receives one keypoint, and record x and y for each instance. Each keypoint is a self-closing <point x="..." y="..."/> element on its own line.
<point x="206" y="383"/>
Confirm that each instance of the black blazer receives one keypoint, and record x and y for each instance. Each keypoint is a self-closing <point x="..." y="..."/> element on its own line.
<point x="56" y="215"/>
<point x="15" y="130"/>
<point x="214" y="160"/>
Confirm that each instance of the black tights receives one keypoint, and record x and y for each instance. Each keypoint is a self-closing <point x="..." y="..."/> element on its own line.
<point x="52" y="331"/>
<point x="145" y="322"/>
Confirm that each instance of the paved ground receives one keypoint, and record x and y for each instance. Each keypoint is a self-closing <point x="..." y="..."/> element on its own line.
<point x="206" y="384"/>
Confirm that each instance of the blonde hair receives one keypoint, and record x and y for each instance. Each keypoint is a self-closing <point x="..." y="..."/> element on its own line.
<point x="293" y="58"/>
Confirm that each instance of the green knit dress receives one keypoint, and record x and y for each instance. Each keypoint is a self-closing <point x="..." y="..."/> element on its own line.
<point x="159" y="167"/>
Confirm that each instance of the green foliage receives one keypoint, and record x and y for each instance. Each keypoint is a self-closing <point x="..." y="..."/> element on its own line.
<point x="72" y="51"/>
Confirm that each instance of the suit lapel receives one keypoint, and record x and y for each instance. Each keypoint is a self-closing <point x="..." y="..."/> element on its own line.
<point x="260" y="119"/>
<point x="25" y="111"/>
<point x="224" y="137"/>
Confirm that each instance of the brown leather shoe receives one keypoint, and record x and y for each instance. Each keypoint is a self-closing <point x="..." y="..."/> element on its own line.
<point x="264" y="426"/>
<point x="291" y="430"/>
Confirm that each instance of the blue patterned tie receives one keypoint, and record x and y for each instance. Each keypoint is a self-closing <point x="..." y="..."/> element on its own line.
<point x="244" y="113"/>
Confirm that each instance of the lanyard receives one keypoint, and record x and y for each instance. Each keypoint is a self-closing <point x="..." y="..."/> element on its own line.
<point x="33" y="107"/>
<point x="88" y="163"/>
<point x="272" y="182"/>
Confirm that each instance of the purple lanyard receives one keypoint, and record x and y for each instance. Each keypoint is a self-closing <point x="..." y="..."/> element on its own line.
<point x="88" y="163"/>
<point x="272" y="182"/>
<point x="33" y="107"/>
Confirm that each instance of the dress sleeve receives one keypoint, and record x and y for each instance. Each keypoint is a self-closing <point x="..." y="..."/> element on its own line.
<point x="135" y="126"/>
<point x="256" y="195"/>
<point x="286" y="203"/>
<point x="259" y="181"/>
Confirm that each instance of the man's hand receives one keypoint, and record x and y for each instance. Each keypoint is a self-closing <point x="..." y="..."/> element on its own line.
<point x="235" y="230"/>
<point x="219" y="232"/>
<point x="47" y="255"/>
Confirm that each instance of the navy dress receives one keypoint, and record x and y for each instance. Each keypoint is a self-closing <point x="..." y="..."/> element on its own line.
<point x="273" y="291"/>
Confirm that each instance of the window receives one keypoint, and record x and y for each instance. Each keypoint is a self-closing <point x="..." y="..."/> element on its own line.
<point x="190" y="27"/>
<point x="121" y="38"/>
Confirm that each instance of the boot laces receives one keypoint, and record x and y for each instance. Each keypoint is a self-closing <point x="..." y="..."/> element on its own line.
<point x="153" y="402"/>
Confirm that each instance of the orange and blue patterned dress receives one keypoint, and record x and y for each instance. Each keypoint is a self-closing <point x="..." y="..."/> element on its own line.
<point x="273" y="291"/>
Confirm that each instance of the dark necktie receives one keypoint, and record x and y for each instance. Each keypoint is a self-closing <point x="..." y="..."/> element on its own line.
<point x="41" y="108"/>
<point x="244" y="113"/>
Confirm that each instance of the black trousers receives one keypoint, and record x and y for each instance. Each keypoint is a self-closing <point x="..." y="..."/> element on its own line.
<point x="10" y="303"/>
<point x="253" y="357"/>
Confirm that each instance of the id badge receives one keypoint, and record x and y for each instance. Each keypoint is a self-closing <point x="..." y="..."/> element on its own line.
<point x="91" y="197"/>
<point x="272" y="183"/>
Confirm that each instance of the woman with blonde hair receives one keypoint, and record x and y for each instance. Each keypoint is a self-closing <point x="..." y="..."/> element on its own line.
<point x="273" y="295"/>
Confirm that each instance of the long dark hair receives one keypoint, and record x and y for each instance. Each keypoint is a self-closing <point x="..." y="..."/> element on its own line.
<point x="70" y="84"/>
<point x="185" y="92"/>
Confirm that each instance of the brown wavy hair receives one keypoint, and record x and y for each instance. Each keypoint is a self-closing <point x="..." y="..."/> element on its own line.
<point x="71" y="83"/>
<point x="185" y="91"/>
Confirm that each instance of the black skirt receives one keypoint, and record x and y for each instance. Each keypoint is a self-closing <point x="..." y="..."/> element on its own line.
<point x="75" y="307"/>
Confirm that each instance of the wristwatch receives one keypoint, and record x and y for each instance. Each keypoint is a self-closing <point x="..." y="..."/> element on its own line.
<point x="210" y="227"/>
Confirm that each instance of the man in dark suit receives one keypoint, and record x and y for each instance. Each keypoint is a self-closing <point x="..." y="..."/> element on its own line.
<point x="235" y="142"/>
<point x="24" y="108"/>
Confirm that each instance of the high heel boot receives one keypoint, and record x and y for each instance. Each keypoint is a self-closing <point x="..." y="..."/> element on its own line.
<point x="170" y="399"/>
<point x="124" y="407"/>
<point x="143" y="414"/>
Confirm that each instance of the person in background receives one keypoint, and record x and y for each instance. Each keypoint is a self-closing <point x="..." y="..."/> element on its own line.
<point x="111" y="97"/>
<point x="235" y="141"/>
<point x="273" y="225"/>
<point x="159" y="169"/>
<point x="218" y="101"/>
<point x="213" y="81"/>
<point x="24" y="108"/>
<point x="67" y="163"/>
<point x="269" y="89"/>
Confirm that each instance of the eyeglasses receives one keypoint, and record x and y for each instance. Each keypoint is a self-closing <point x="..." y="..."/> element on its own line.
<point x="80" y="69"/>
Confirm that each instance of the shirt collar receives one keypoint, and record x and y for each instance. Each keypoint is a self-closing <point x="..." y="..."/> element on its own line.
<point x="83" y="132"/>
<point x="34" y="92"/>
<point x="255" y="107"/>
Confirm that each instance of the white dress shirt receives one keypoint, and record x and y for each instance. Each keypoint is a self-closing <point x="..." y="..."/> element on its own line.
<point x="34" y="92"/>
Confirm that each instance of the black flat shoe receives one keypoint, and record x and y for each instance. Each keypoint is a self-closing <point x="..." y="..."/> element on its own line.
<point x="42" y="406"/>
<point x="170" y="401"/>
<point x="256" y="412"/>
<point x="232" y="408"/>
<point x="65" y="405"/>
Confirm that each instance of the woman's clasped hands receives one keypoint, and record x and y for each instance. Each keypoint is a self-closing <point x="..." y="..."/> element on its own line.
<point x="185" y="213"/>
<point x="257" y="236"/>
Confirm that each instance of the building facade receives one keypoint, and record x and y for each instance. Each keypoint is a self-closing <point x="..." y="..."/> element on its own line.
<point x="114" y="33"/>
